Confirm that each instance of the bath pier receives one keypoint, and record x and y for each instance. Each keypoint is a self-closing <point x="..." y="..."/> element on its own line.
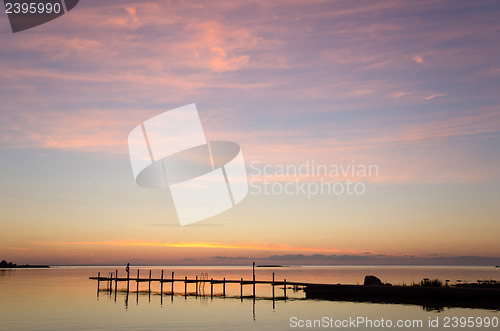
<point x="428" y="297"/>
<point x="113" y="279"/>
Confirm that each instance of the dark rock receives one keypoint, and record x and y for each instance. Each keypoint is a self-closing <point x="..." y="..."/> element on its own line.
<point x="372" y="280"/>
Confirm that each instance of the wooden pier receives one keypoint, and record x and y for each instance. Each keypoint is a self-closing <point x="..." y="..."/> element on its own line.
<point x="448" y="296"/>
<point x="112" y="280"/>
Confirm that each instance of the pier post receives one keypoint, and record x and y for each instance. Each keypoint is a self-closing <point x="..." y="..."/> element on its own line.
<point x="116" y="280"/>
<point x="172" y="283"/>
<point x="137" y="281"/>
<point x="253" y="272"/>
<point x="161" y="284"/>
<point x="110" y="282"/>
<point x="98" y="280"/>
<point x="273" y="286"/>
<point x="149" y="289"/>
<point x="211" y="287"/>
<point x="128" y="275"/>
<point x="284" y="288"/>
<point x="241" y="289"/>
<point x="224" y="287"/>
<point x="185" y="286"/>
<point x="196" y="283"/>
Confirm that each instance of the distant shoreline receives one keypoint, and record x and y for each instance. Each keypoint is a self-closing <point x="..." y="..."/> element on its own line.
<point x="27" y="266"/>
<point x="284" y="266"/>
<point x="257" y="266"/>
<point x="9" y="265"/>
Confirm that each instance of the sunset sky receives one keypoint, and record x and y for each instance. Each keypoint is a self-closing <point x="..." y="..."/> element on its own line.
<point x="409" y="86"/>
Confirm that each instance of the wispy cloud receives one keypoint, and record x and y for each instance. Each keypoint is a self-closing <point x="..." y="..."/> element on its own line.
<point x="259" y="69"/>
<point x="13" y="248"/>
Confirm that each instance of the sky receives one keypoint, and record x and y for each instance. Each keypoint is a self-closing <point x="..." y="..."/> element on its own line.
<point x="409" y="87"/>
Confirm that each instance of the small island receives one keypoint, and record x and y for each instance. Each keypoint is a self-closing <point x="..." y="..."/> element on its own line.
<point x="10" y="265"/>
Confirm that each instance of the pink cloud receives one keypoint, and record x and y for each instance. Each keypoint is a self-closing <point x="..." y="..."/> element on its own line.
<point x="200" y="47"/>
<point x="418" y="59"/>
<point x="435" y="96"/>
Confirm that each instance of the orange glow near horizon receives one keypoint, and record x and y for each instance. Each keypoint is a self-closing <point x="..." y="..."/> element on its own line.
<point x="244" y="246"/>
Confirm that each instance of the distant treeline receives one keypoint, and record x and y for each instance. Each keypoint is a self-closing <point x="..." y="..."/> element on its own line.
<point x="5" y="264"/>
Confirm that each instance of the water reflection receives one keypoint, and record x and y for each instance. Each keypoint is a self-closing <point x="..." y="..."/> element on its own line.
<point x="201" y="295"/>
<point x="64" y="298"/>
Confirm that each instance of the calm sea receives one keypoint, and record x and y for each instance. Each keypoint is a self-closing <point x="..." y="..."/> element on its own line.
<point x="63" y="298"/>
